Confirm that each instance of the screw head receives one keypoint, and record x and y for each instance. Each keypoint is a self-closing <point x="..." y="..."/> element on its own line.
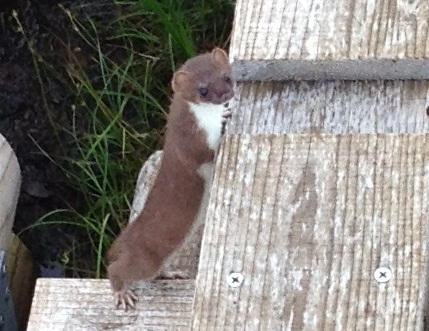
<point x="235" y="279"/>
<point x="382" y="274"/>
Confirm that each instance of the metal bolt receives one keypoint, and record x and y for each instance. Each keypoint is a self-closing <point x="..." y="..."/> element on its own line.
<point x="382" y="274"/>
<point x="1" y="321"/>
<point x="235" y="279"/>
<point x="3" y="270"/>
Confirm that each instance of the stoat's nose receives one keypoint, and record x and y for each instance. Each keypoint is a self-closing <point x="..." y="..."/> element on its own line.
<point x="226" y="104"/>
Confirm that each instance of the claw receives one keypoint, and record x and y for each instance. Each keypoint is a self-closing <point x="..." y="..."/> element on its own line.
<point x="226" y="114"/>
<point x="125" y="298"/>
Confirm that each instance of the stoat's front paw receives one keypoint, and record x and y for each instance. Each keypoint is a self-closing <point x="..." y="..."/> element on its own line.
<point x="125" y="298"/>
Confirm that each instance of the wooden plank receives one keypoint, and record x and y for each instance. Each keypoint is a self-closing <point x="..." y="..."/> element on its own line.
<point x="21" y="274"/>
<point x="145" y="181"/>
<point x="20" y="269"/>
<point x="331" y="107"/>
<point x="307" y="220"/>
<point x="84" y="305"/>
<point x="330" y="39"/>
<point x="10" y="183"/>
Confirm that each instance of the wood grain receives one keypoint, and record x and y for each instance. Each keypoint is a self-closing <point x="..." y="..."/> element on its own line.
<point x="145" y="181"/>
<point x="86" y="305"/>
<point x="331" y="107"/>
<point x="307" y="219"/>
<point x="10" y="183"/>
<point x="330" y="39"/>
<point x="21" y="275"/>
<point x="20" y="270"/>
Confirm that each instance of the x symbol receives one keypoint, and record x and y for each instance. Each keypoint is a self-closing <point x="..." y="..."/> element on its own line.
<point x="235" y="280"/>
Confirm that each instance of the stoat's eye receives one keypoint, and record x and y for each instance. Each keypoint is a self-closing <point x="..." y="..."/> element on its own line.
<point x="203" y="91"/>
<point x="227" y="79"/>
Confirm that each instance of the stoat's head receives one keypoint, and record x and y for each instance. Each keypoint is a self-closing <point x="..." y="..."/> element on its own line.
<point x="205" y="79"/>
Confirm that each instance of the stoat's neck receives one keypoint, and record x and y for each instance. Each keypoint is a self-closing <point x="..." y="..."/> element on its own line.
<point x="189" y="140"/>
<point x="209" y="119"/>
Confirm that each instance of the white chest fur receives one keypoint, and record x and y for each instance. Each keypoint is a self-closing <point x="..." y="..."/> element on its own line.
<point x="209" y="119"/>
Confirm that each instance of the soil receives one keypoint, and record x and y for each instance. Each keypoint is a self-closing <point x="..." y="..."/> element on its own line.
<point x="23" y="119"/>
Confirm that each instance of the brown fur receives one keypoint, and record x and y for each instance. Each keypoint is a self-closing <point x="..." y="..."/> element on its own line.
<point x="172" y="205"/>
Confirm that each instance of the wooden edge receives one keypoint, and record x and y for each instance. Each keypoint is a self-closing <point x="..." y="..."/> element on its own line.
<point x="372" y="69"/>
<point x="20" y="269"/>
<point x="144" y="184"/>
<point x="21" y="274"/>
<point x="10" y="183"/>
<point x="87" y="304"/>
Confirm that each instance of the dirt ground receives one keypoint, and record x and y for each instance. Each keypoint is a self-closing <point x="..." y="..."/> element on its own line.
<point x="24" y="123"/>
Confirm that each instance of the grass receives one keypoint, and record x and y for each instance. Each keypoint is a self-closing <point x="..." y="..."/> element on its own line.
<point x="119" y="78"/>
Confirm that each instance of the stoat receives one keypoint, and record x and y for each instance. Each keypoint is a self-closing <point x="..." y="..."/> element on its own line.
<point x="203" y="89"/>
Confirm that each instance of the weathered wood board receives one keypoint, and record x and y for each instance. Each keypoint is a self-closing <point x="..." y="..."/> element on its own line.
<point x="307" y="220"/>
<point x="10" y="184"/>
<point x="20" y="270"/>
<point x="331" y="107"/>
<point x="145" y="181"/>
<point x="330" y="39"/>
<point x="21" y="274"/>
<point x="87" y="305"/>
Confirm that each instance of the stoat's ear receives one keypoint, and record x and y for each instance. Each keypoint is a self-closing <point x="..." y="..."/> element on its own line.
<point x="180" y="80"/>
<point x="220" y="57"/>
